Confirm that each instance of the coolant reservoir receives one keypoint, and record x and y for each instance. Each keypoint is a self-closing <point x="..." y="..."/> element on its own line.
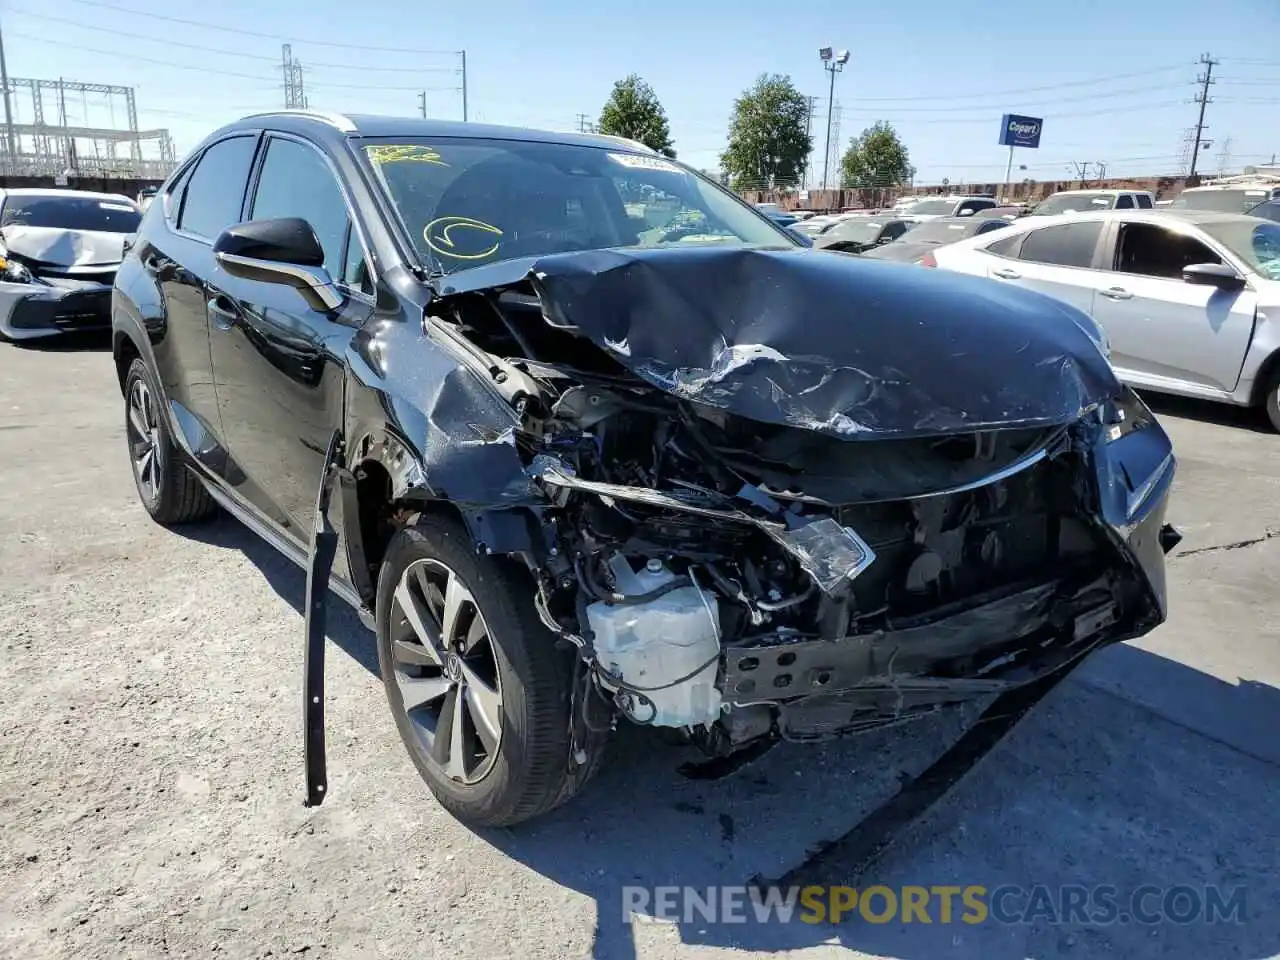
<point x="659" y="641"/>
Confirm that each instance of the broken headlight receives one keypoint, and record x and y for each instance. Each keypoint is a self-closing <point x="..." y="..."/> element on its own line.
<point x="11" y="271"/>
<point x="1124" y="414"/>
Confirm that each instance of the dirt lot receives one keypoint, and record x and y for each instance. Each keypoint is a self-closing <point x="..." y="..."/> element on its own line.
<point x="150" y="754"/>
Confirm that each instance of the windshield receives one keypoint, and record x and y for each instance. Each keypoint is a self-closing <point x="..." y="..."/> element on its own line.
<point x="1075" y="203"/>
<point x="1222" y="201"/>
<point x="815" y="229"/>
<point x="69" y="213"/>
<point x="467" y="202"/>
<point x="858" y="230"/>
<point x="1257" y="244"/>
<point x="930" y="208"/>
<point x="942" y="231"/>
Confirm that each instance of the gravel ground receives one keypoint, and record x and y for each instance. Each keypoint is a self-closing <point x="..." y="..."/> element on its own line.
<point x="151" y="776"/>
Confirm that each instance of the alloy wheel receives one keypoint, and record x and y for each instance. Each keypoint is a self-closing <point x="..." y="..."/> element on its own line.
<point x="144" y="439"/>
<point x="446" y="671"/>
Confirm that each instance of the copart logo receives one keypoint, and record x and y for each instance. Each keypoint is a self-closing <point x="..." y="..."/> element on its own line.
<point x="1023" y="130"/>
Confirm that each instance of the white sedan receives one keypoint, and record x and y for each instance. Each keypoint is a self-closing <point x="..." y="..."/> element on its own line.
<point x="1190" y="301"/>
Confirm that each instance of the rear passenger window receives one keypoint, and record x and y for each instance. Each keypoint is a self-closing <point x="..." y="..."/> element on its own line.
<point x="1144" y="201"/>
<point x="1124" y="202"/>
<point x="1065" y="245"/>
<point x="215" y="190"/>
<point x="1005" y="246"/>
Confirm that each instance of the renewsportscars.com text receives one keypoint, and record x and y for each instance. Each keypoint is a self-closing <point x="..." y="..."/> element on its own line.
<point x="973" y="904"/>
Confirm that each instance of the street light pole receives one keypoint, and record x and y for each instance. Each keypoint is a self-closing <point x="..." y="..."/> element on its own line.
<point x="833" y="65"/>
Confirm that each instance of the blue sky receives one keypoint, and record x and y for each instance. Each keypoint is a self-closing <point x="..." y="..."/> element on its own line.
<point x="1113" y="81"/>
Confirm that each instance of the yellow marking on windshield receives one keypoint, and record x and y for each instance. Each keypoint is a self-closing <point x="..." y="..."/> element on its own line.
<point x="438" y="235"/>
<point x="400" y="153"/>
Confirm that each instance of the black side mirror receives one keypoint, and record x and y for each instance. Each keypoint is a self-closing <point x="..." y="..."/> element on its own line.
<point x="284" y="251"/>
<point x="1213" y="275"/>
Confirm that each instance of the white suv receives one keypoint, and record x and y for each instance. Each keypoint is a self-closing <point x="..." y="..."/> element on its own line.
<point x="1229" y="194"/>
<point x="1080" y="201"/>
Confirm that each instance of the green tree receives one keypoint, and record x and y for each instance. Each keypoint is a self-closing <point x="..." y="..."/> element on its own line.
<point x="876" y="158"/>
<point x="633" y="111"/>
<point x="768" y="138"/>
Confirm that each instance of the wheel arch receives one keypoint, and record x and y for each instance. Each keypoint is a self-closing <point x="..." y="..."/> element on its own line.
<point x="1268" y="373"/>
<point x="123" y="352"/>
<point x="385" y="488"/>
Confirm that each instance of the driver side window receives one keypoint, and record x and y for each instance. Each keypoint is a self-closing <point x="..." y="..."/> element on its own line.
<point x="1148" y="250"/>
<point x="296" y="182"/>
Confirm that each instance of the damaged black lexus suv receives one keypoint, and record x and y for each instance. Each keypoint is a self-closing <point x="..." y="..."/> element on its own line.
<point x="587" y="439"/>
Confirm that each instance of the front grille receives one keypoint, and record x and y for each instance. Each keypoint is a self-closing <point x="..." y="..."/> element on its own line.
<point x="78" y="311"/>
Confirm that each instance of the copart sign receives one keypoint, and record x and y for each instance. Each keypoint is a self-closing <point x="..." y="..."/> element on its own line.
<point x="1016" y="131"/>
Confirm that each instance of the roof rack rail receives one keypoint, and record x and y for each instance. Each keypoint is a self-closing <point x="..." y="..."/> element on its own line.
<point x="333" y="119"/>
<point x="628" y="141"/>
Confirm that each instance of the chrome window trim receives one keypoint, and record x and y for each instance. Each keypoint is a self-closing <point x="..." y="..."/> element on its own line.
<point x="346" y="200"/>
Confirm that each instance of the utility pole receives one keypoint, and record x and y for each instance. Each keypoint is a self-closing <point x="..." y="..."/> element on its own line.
<point x="1102" y="169"/>
<point x="295" y="97"/>
<point x="422" y="103"/>
<point x="11" y="141"/>
<point x="1224" y="156"/>
<point x="808" y="129"/>
<point x="833" y="65"/>
<point x="1203" y="99"/>
<point x="1081" y="171"/>
<point x="463" y="54"/>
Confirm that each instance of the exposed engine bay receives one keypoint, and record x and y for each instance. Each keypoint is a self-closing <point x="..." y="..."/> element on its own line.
<point x="854" y="554"/>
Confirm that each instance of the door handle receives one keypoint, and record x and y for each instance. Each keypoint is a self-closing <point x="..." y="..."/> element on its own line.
<point x="1004" y="273"/>
<point x="223" y="311"/>
<point x="1116" y="293"/>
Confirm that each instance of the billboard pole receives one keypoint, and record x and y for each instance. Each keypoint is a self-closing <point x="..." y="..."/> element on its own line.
<point x="1008" y="172"/>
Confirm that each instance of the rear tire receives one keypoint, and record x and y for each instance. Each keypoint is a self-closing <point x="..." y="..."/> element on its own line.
<point x="168" y="490"/>
<point x="491" y="664"/>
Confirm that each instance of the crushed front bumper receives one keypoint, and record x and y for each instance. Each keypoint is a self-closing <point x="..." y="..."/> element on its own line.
<point x="31" y="311"/>
<point x="806" y="689"/>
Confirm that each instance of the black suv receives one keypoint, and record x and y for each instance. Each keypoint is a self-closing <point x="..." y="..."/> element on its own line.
<point x="585" y="437"/>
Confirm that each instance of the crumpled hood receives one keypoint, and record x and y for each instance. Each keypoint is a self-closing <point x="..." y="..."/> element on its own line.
<point x="840" y="345"/>
<point x="64" y="248"/>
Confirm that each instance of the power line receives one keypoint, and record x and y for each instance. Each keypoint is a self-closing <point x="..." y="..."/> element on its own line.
<point x="984" y="118"/>
<point x="132" y="35"/>
<point x="1006" y="93"/>
<point x="201" y="68"/>
<point x="205" y="25"/>
<point x="1079" y="99"/>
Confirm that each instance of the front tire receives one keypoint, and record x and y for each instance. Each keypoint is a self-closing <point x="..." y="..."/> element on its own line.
<point x="168" y="490"/>
<point x="1271" y="401"/>
<point x="478" y="688"/>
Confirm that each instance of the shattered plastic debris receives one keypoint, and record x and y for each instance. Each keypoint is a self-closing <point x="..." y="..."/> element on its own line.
<point x="830" y="553"/>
